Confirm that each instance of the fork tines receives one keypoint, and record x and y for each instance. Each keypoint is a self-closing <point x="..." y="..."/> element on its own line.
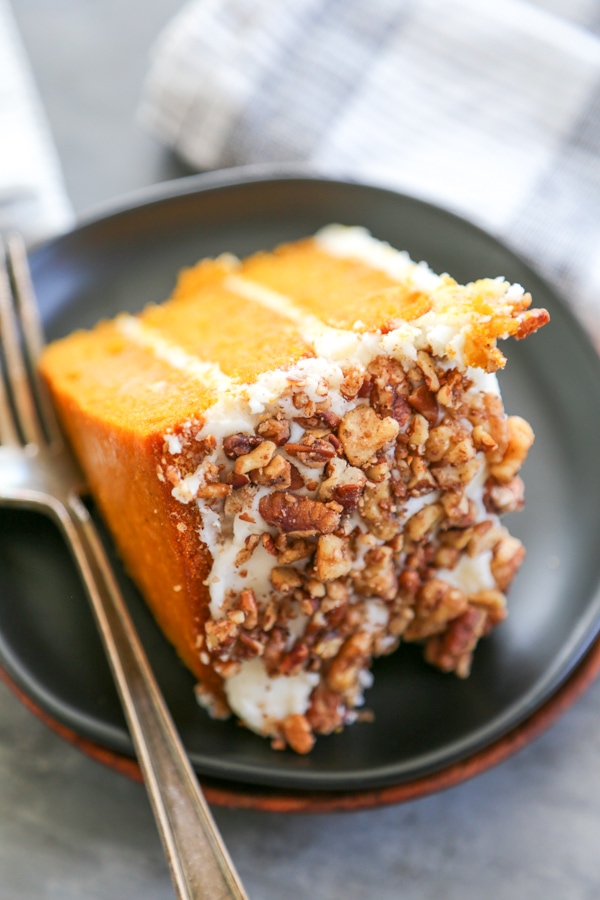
<point x="26" y="415"/>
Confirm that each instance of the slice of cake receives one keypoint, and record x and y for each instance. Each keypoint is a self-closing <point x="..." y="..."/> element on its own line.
<point x="303" y="458"/>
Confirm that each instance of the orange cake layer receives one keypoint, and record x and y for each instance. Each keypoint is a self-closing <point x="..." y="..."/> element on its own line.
<point x="303" y="459"/>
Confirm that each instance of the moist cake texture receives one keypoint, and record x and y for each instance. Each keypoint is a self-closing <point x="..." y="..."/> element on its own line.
<point x="303" y="458"/>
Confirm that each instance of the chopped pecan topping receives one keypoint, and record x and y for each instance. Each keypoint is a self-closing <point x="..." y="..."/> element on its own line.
<point x="504" y="498"/>
<point x="213" y="491"/>
<point x="333" y="558"/>
<point x="452" y="391"/>
<point x="240" y="444"/>
<point x="312" y="451"/>
<point x="418" y="431"/>
<point x="493" y="602"/>
<point x="427" y="367"/>
<point x="389" y="389"/>
<point x="299" y="515"/>
<point x="258" y="458"/>
<point x="363" y="433"/>
<point x="452" y="651"/>
<point x="423" y="522"/>
<point x="483" y="440"/>
<point x="378" y="577"/>
<point x="298" y="733"/>
<point x="249" y="607"/>
<point x="376" y="507"/>
<point x="326" y="710"/>
<point x="438" y="442"/>
<point x="285" y="579"/>
<point x="352" y="383"/>
<point x="520" y="439"/>
<point x="508" y="555"/>
<point x="344" y="669"/>
<point x="344" y="484"/>
<point x="292" y="662"/>
<point x="277" y="473"/>
<point x="276" y="430"/>
<point x="250" y="545"/>
<point x="421" y="480"/>
<point x="289" y="551"/>
<point x="220" y="634"/>
<point x="452" y="478"/>
<point x="424" y="401"/>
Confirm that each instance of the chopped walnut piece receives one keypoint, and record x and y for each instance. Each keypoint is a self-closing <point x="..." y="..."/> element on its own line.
<point x="276" y="430"/>
<point x="363" y="433"/>
<point x="333" y="558"/>
<point x="520" y="439"/>
<point x="299" y="515"/>
<point x="298" y="733"/>
<point x="344" y="669"/>
<point x="255" y="459"/>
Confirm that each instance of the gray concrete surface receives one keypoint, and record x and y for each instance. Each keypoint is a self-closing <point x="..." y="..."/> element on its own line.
<point x="71" y="829"/>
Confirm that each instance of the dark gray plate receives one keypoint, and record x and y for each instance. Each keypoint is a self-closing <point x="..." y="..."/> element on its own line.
<point x="424" y="721"/>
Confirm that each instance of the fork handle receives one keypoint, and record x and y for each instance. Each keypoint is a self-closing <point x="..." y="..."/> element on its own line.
<point x="200" y="865"/>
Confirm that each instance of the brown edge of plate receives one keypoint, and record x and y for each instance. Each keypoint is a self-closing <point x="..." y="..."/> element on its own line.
<point x="241" y="796"/>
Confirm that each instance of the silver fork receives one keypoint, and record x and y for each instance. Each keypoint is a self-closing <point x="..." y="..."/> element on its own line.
<point x="37" y="470"/>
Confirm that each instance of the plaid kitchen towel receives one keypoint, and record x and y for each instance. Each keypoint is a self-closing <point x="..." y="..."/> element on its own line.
<point x="32" y="195"/>
<point x="489" y="109"/>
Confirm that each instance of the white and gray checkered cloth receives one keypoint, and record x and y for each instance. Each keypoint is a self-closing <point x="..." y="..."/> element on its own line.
<point x="32" y="195"/>
<point x="491" y="109"/>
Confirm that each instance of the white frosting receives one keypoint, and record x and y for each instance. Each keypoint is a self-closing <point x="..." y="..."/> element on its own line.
<point x="261" y="701"/>
<point x="356" y="242"/>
